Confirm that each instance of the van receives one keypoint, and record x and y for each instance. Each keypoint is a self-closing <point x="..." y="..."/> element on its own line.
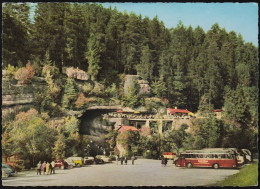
<point x="77" y="160"/>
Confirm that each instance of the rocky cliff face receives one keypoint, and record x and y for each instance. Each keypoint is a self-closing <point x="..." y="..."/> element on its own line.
<point x="145" y="88"/>
<point x="16" y="98"/>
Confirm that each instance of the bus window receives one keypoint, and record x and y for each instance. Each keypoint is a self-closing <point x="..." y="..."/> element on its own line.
<point x="210" y="155"/>
<point x="200" y="156"/>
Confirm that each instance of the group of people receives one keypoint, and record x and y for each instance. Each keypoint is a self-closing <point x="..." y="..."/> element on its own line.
<point x="48" y="168"/>
<point x="164" y="161"/>
<point x="124" y="159"/>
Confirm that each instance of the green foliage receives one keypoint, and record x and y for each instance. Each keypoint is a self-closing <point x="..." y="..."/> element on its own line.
<point x="71" y="125"/>
<point x="87" y="88"/>
<point x="112" y="91"/>
<point x="10" y="71"/>
<point x="132" y="99"/>
<point x="159" y="88"/>
<point x="31" y="136"/>
<point x="247" y="176"/>
<point x="207" y="133"/>
<point x="15" y="36"/>
<point x="98" y="90"/>
<point x="111" y="138"/>
<point x="70" y="94"/>
<point x="129" y="140"/>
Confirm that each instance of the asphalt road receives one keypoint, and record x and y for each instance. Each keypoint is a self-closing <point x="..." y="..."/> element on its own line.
<point x="144" y="173"/>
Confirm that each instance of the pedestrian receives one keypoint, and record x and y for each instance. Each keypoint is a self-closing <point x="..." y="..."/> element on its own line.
<point x="162" y="162"/>
<point x="44" y="167"/>
<point x="50" y="168"/>
<point x="122" y="160"/>
<point x="117" y="159"/>
<point x="133" y="159"/>
<point x="165" y="162"/>
<point x="47" y="168"/>
<point x="53" y="167"/>
<point x="126" y="160"/>
<point x="39" y="166"/>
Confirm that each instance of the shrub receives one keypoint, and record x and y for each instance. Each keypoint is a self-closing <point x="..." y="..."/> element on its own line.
<point x="81" y="100"/>
<point x="87" y="88"/>
<point x="25" y="74"/>
<point x="98" y="90"/>
<point x="10" y="71"/>
<point x="53" y="70"/>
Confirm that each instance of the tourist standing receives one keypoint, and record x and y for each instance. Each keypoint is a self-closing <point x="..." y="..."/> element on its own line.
<point x="47" y="168"/>
<point x="165" y="162"/>
<point x="44" y="167"/>
<point x="126" y="160"/>
<point x="122" y="160"/>
<point x="117" y="159"/>
<point x="53" y="167"/>
<point x="162" y="162"/>
<point x="50" y="168"/>
<point x="39" y="166"/>
<point x="133" y="159"/>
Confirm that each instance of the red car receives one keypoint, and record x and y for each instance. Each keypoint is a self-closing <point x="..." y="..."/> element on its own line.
<point x="60" y="163"/>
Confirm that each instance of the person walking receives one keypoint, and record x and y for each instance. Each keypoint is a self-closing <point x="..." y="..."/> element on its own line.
<point x="165" y="162"/>
<point x="133" y="159"/>
<point x="53" y="167"/>
<point x="125" y="160"/>
<point x="117" y="159"/>
<point x="162" y="162"/>
<point x="122" y="160"/>
<point x="47" y="168"/>
<point x="44" y="167"/>
<point x="39" y="166"/>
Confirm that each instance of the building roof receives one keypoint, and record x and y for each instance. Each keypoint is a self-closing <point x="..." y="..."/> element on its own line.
<point x="124" y="128"/>
<point x="173" y="111"/>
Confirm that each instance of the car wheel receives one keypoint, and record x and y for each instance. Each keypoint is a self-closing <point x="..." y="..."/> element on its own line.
<point x="62" y="167"/>
<point x="189" y="165"/>
<point x="215" y="166"/>
<point x="78" y="165"/>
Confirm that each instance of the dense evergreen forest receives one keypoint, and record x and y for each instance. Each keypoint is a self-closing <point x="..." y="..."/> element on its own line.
<point x="191" y="68"/>
<point x="185" y="65"/>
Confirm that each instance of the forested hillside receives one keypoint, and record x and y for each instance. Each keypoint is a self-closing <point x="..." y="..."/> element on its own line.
<point x="188" y="67"/>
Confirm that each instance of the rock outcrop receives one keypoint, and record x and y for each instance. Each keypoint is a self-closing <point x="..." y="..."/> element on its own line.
<point x="145" y="88"/>
<point x="76" y="73"/>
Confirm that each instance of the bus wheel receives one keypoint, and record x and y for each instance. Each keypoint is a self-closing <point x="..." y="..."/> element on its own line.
<point x="189" y="165"/>
<point x="215" y="166"/>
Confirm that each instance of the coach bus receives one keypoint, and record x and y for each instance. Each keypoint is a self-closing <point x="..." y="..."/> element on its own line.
<point x="199" y="158"/>
<point x="242" y="155"/>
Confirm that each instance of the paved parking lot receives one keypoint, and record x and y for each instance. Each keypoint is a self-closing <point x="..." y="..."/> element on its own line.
<point x="144" y="173"/>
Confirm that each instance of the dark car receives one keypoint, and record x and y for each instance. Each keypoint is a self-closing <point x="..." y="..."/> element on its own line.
<point x="60" y="163"/>
<point x="9" y="170"/>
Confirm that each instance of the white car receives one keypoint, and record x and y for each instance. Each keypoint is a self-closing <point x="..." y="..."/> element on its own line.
<point x="70" y="163"/>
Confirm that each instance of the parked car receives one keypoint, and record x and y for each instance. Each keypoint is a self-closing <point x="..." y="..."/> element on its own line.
<point x="77" y="160"/>
<point x="4" y="174"/>
<point x="70" y="162"/>
<point x="8" y="169"/>
<point x="60" y="163"/>
<point x="104" y="158"/>
<point x="88" y="160"/>
<point x="99" y="160"/>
